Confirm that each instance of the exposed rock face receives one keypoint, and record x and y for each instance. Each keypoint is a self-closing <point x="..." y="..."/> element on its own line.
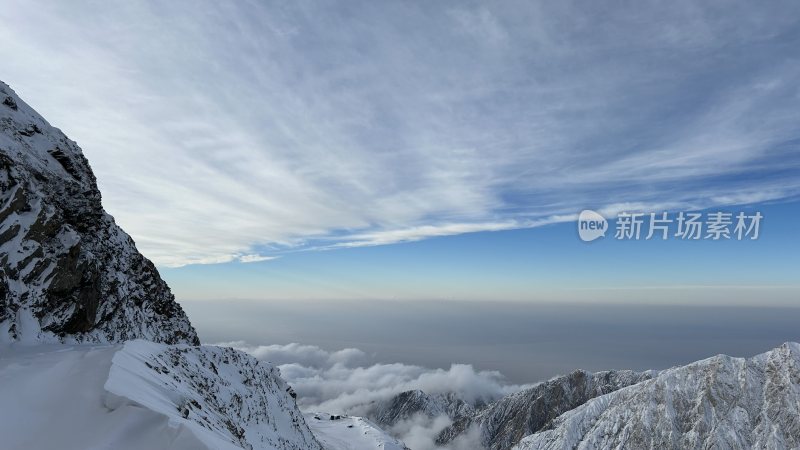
<point x="408" y="404"/>
<point x="504" y="423"/>
<point x="68" y="273"/>
<point x="718" y="403"/>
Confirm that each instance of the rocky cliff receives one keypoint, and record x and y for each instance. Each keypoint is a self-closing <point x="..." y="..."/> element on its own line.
<point x="68" y="273"/>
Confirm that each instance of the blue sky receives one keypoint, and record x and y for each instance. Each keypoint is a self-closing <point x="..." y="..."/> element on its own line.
<point x="426" y="149"/>
<point x="548" y="263"/>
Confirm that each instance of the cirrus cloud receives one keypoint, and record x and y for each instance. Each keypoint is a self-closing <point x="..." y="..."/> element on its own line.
<point x="236" y="131"/>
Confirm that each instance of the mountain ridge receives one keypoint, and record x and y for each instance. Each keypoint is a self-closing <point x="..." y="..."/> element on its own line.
<point x="721" y="402"/>
<point x="142" y="394"/>
<point x="505" y="422"/>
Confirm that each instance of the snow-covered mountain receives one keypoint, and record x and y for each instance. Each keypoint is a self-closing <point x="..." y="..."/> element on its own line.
<point x="68" y="273"/>
<point x="717" y="403"/>
<point x="95" y="353"/>
<point x="505" y="422"/>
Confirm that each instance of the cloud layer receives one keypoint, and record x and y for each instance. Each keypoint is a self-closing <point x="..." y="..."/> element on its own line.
<point x="237" y="131"/>
<point x="348" y="380"/>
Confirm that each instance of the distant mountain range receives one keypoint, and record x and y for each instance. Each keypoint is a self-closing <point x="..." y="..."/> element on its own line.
<point x="717" y="403"/>
<point x="720" y="402"/>
<point x="505" y="422"/>
<point x="502" y="424"/>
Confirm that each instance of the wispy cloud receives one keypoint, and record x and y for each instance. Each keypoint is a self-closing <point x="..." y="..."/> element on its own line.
<point x="222" y="132"/>
<point x="416" y="233"/>
<point x="255" y="258"/>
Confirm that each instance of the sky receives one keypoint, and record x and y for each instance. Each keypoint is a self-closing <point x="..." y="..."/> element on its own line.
<point x="428" y="150"/>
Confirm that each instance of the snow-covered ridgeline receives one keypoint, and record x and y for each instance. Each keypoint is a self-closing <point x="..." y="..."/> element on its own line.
<point x="145" y="395"/>
<point x="505" y="422"/>
<point x="720" y="402"/>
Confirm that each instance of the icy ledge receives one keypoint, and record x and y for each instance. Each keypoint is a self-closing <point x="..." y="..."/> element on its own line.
<point x="145" y="395"/>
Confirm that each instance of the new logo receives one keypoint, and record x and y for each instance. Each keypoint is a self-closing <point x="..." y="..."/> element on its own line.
<point x="591" y="225"/>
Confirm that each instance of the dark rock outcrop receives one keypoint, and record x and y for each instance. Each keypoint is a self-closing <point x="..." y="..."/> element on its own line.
<point x="68" y="273"/>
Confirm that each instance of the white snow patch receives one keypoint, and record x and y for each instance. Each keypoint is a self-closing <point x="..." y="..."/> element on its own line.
<point x="53" y="397"/>
<point x="143" y="395"/>
<point x="350" y="433"/>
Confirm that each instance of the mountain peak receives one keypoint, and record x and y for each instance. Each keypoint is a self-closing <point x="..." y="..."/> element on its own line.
<point x="68" y="273"/>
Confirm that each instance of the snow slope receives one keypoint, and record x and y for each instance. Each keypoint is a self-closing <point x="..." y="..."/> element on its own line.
<point x="141" y="395"/>
<point x="350" y="433"/>
<point x="717" y="403"/>
<point x="54" y="399"/>
<point x="68" y="273"/>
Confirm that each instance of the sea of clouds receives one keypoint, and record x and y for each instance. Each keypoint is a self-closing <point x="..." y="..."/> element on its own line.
<point x="347" y="381"/>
